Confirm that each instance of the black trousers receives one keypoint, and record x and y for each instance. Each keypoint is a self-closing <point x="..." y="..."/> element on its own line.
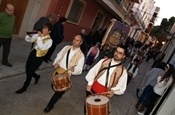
<point x="55" y="97"/>
<point x="154" y="97"/>
<point x="50" y="51"/>
<point x="5" y="42"/>
<point x="32" y="65"/>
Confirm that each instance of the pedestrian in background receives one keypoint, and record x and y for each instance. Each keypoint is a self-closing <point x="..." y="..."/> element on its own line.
<point x="92" y="54"/>
<point x="7" y="22"/>
<point x="151" y="79"/>
<point x="51" y="18"/>
<point x="163" y="82"/>
<point x="132" y="70"/>
<point x="57" y="36"/>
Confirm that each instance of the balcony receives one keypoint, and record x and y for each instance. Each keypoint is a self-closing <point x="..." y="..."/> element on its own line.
<point x="116" y="8"/>
<point x="137" y="17"/>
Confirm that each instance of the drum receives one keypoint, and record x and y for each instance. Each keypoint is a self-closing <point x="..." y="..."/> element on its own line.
<point x="97" y="105"/>
<point x="61" y="80"/>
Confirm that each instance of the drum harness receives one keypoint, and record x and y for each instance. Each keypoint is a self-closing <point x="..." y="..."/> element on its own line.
<point x="107" y="74"/>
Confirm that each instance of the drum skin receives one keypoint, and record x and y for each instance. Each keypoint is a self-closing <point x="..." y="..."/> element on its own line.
<point x="97" y="105"/>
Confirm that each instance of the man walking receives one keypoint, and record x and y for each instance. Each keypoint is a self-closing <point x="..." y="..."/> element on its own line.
<point x="69" y="58"/>
<point x="108" y="76"/>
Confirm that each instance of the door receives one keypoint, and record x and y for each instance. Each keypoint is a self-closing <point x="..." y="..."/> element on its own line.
<point x="20" y="7"/>
<point x="97" y="22"/>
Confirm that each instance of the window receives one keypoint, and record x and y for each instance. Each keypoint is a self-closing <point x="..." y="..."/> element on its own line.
<point x="76" y="10"/>
<point x="127" y="5"/>
<point x="119" y="1"/>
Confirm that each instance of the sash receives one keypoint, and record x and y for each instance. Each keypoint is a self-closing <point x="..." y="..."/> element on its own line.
<point x="67" y="58"/>
<point x="41" y="53"/>
<point x="98" y="88"/>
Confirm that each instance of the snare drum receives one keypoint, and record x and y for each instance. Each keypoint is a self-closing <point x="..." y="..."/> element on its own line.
<point x="97" y="105"/>
<point x="61" y="80"/>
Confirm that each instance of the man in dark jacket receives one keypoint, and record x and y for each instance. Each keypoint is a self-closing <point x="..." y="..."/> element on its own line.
<point x="57" y="37"/>
<point x="52" y="18"/>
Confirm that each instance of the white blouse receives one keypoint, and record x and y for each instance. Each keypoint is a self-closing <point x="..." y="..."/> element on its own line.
<point x="160" y="87"/>
<point x="40" y="45"/>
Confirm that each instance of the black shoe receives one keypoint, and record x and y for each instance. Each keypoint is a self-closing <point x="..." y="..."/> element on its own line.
<point x="20" y="91"/>
<point x="37" y="79"/>
<point x="7" y="64"/>
<point x="47" y="109"/>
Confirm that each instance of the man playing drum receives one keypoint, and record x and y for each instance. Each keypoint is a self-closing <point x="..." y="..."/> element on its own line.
<point x="69" y="58"/>
<point x="108" y="76"/>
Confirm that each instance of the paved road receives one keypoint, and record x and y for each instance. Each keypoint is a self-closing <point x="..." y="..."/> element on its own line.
<point x="34" y="100"/>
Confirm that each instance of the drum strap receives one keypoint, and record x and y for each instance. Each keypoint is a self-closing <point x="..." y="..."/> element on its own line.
<point x="67" y="58"/>
<point x="107" y="73"/>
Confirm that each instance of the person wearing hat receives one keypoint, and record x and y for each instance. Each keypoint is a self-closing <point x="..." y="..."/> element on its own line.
<point x="57" y="37"/>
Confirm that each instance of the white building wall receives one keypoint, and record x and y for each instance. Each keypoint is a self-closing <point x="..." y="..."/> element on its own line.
<point x="169" y="50"/>
<point x="35" y="9"/>
<point x="143" y="11"/>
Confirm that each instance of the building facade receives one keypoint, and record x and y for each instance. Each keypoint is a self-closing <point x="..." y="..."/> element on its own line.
<point x="90" y="15"/>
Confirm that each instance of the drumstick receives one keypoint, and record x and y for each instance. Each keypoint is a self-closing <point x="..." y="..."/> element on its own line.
<point x="92" y="93"/>
<point x="107" y="91"/>
<point x="67" y="70"/>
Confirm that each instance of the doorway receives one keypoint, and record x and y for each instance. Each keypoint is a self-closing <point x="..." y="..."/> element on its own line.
<point x="97" y="22"/>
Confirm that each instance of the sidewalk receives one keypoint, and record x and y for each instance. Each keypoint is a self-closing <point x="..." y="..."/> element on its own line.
<point x="20" y="50"/>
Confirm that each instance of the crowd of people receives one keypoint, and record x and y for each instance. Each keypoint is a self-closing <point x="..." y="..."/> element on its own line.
<point x="107" y="77"/>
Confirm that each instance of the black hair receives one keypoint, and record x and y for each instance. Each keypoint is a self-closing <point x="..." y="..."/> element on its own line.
<point x="48" y="25"/>
<point x="168" y="74"/>
<point x="161" y="65"/>
<point x="123" y="47"/>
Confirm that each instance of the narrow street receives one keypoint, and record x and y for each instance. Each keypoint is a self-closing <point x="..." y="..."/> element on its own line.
<point x="35" y="99"/>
